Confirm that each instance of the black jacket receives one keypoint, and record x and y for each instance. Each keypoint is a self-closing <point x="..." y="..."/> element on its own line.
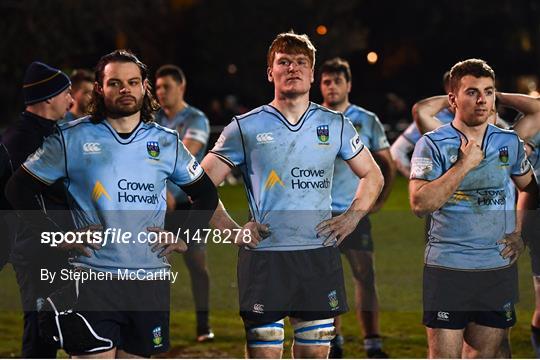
<point x="22" y="139"/>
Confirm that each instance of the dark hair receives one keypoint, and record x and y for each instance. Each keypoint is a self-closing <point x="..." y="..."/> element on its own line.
<point x="173" y="71"/>
<point x="336" y="66"/>
<point x="97" y="105"/>
<point x="78" y="76"/>
<point x="475" y="67"/>
<point x="291" y="43"/>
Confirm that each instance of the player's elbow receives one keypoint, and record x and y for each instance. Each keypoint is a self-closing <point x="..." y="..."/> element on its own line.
<point x="418" y="206"/>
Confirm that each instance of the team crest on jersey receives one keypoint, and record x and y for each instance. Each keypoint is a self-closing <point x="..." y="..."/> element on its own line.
<point x="323" y="133"/>
<point x="153" y="148"/>
<point x="158" y="339"/>
<point x="358" y="128"/>
<point x="503" y="154"/>
<point x="333" y="300"/>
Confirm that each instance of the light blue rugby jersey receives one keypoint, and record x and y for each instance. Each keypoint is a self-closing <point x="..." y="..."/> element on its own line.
<point x="372" y="135"/>
<point x="412" y="133"/>
<point x="118" y="183"/>
<point x="288" y="169"/>
<point x="191" y="123"/>
<point x="465" y="230"/>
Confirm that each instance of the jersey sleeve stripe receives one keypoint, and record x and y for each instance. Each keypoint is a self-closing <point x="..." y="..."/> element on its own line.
<point x="223" y="158"/>
<point x="46" y="182"/>
<point x="358" y="152"/>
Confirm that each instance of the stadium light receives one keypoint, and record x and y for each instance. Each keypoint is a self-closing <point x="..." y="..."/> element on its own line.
<point x="232" y="69"/>
<point x="322" y="30"/>
<point x="372" y="57"/>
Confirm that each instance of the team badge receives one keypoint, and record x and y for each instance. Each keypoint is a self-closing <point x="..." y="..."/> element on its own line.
<point x="153" y="148"/>
<point x="157" y="340"/>
<point x="323" y="133"/>
<point x="358" y="128"/>
<point x="503" y="154"/>
<point x="333" y="300"/>
<point x="508" y="313"/>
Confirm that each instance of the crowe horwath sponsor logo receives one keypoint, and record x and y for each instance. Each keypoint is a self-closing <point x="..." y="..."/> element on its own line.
<point x="128" y="192"/>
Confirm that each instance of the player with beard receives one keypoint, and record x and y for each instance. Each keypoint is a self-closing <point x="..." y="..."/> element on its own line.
<point x="115" y="164"/>
<point x="82" y="84"/>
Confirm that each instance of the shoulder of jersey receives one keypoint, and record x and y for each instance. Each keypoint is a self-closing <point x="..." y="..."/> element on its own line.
<point x="196" y="112"/>
<point x="360" y="112"/>
<point x="323" y="108"/>
<point x="74" y="123"/>
<point x="252" y="113"/>
<point x="444" y="131"/>
<point x="155" y="126"/>
<point x="497" y="129"/>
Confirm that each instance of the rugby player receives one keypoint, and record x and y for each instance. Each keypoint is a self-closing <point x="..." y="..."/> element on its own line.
<point x="335" y="83"/>
<point x="194" y="130"/>
<point x="528" y="128"/>
<point x="82" y="84"/>
<point x="403" y="146"/>
<point x="286" y="151"/>
<point x="460" y="174"/>
<point x="115" y="164"/>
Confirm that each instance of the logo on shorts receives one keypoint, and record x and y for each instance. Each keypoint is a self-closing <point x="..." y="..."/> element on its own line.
<point x="99" y="191"/>
<point x="157" y="340"/>
<point x="508" y="311"/>
<point x="443" y="316"/>
<point x="258" y="308"/>
<point x="333" y="300"/>
<point x="503" y="155"/>
<point x="153" y="148"/>
<point x="272" y="180"/>
<point x="323" y="133"/>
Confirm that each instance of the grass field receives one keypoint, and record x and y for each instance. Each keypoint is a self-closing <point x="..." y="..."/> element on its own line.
<point x="399" y="252"/>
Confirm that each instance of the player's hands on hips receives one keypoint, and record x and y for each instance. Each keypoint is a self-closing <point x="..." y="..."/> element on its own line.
<point x="87" y="239"/>
<point x="470" y="153"/>
<point x="336" y="229"/>
<point x="257" y="233"/>
<point x="514" y="246"/>
<point x="167" y="243"/>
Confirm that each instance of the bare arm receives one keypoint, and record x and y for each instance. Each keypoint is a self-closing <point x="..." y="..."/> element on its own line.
<point x="528" y="126"/>
<point x="525" y="104"/>
<point x="527" y="196"/>
<point x="428" y="196"/>
<point x="400" y="150"/>
<point x="424" y="112"/>
<point x="388" y="168"/>
<point x="336" y="229"/>
<point x="217" y="170"/>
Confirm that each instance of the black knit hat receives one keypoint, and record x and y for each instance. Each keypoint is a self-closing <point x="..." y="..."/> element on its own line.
<point x="42" y="82"/>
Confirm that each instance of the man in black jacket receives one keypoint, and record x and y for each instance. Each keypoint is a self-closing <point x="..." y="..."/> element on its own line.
<point x="47" y="98"/>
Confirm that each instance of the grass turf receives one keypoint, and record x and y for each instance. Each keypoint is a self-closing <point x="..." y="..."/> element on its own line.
<point x="399" y="245"/>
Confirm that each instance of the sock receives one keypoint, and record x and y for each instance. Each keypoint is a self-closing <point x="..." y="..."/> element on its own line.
<point x="535" y="340"/>
<point x="202" y="322"/>
<point x="338" y="341"/>
<point x="373" y="342"/>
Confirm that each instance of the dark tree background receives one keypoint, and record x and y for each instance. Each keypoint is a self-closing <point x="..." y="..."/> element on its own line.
<point x="416" y="42"/>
